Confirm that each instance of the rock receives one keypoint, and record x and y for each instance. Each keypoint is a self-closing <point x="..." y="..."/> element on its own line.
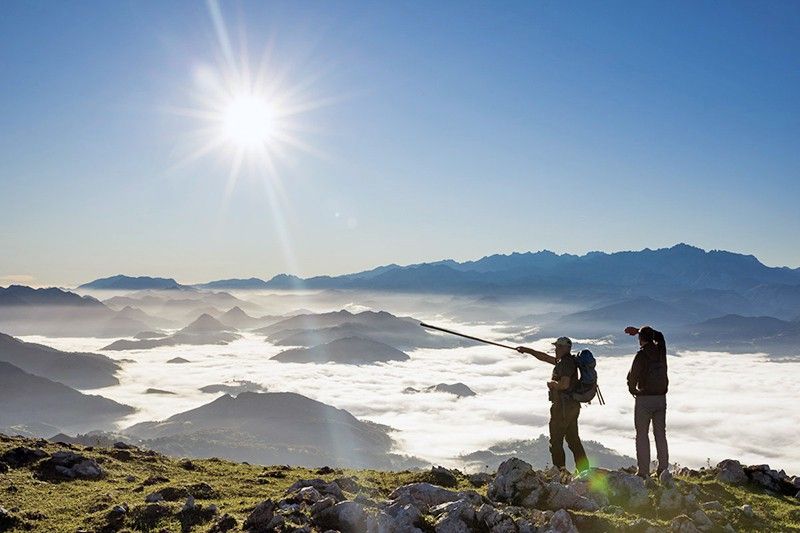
<point x="770" y="479"/>
<point x="263" y="518"/>
<point x="560" y="496"/>
<point x="406" y="517"/>
<point x="186" y="464"/>
<point x="202" y="491"/>
<point x="665" y="478"/>
<point x="115" y="518"/>
<point x="730" y="471"/>
<point x="480" y="479"/>
<point x="67" y="465"/>
<point x="224" y="523"/>
<point x="8" y="520"/>
<point x="701" y="520"/>
<point x="324" y="487"/>
<point x="123" y="446"/>
<point x="4" y="468"/>
<point x="22" y="456"/>
<point x="349" y="484"/>
<point x="423" y="495"/>
<point x="153" y="480"/>
<point x="747" y="511"/>
<point x="147" y="517"/>
<point x="455" y="517"/>
<point x="495" y="521"/>
<point x="627" y="490"/>
<point x="324" y="471"/>
<point x="346" y="516"/>
<point x="713" y="506"/>
<point x="444" y="477"/>
<point x="583" y="485"/>
<point x="516" y="483"/>
<point x="322" y="504"/>
<point x="683" y="524"/>
<point x="671" y="500"/>
<point x="154" y="497"/>
<point x="190" y="504"/>
<point x="561" y="522"/>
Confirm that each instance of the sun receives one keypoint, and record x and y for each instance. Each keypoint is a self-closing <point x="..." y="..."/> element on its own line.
<point x="249" y="121"/>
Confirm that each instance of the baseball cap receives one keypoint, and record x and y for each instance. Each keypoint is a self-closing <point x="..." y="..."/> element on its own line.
<point x="563" y="341"/>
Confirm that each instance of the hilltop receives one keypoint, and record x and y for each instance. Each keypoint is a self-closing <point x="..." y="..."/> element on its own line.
<point x="67" y="487"/>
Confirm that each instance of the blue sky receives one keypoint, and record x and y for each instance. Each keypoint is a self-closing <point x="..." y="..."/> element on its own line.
<point x="445" y="130"/>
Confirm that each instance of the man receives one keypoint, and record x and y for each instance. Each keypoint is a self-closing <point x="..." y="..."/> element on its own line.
<point x="648" y="383"/>
<point x="564" y="410"/>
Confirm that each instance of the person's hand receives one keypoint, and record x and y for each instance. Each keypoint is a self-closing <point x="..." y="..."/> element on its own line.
<point x="630" y="330"/>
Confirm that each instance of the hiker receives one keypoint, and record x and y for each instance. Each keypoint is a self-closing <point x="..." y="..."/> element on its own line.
<point x="564" y="409"/>
<point x="648" y="383"/>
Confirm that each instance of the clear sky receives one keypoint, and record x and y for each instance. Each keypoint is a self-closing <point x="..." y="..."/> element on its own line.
<point x="420" y="131"/>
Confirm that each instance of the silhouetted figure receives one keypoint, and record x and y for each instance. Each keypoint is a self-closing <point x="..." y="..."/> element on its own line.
<point x="648" y="383"/>
<point x="564" y="410"/>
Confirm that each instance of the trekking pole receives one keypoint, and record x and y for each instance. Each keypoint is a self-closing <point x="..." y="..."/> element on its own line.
<point x="451" y="332"/>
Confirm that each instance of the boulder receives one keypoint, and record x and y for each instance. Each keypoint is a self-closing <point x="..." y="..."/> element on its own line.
<point x="558" y="496"/>
<point x="455" y="517"/>
<point x="665" y="478"/>
<point x="561" y="522"/>
<point x="747" y="511"/>
<point x="67" y="465"/>
<point x="516" y="483"/>
<point x="701" y="520"/>
<point x="713" y="506"/>
<point x="480" y="479"/>
<point x="770" y="479"/>
<point x="8" y="520"/>
<point x="406" y="517"/>
<point x="346" y="516"/>
<point x="263" y="518"/>
<point x="670" y="500"/>
<point x="22" y="456"/>
<point x="683" y="524"/>
<point x="730" y="471"/>
<point x="423" y="495"/>
<point x="224" y="523"/>
<point x="444" y="477"/>
<point x="324" y="487"/>
<point x="627" y="490"/>
<point x="586" y="485"/>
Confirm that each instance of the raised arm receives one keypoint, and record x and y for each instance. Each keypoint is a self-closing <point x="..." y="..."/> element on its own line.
<point x="541" y="356"/>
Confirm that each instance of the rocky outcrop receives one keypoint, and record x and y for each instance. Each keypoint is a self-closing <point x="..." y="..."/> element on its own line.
<point x="68" y="465"/>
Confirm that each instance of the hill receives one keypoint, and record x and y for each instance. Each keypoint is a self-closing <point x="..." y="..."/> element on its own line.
<point x="403" y="333"/>
<point x="272" y="427"/>
<point x="248" y="284"/>
<point x="79" y="370"/>
<point x="129" y="283"/>
<point x="349" y="350"/>
<point x="29" y="399"/>
<point x="227" y="496"/>
<point x="204" y="330"/>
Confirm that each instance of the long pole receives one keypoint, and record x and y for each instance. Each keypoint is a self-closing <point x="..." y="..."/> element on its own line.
<point x="451" y="332"/>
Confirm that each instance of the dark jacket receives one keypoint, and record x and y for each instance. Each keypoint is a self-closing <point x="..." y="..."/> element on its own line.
<point x="648" y="375"/>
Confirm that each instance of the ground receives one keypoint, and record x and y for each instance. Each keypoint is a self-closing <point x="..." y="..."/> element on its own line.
<point x="75" y="505"/>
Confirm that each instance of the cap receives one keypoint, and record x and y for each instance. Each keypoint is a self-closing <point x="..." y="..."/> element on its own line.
<point x="563" y="341"/>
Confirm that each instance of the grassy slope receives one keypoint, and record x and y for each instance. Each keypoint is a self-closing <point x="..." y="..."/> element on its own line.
<point x="73" y="505"/>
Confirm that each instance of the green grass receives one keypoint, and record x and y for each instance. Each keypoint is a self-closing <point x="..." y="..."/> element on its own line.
<point x="75" y="505"/>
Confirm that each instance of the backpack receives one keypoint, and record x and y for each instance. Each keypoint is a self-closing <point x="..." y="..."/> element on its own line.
<point x="587" y="388"/>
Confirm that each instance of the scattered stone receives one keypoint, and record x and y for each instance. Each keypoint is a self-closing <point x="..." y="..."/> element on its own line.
<point x="349" y="484"/>
<point x="713" y="506"/>
<point x="324" y="471"/>
<point x="154" y="480"/>
<point x="627" y="490"/>
<point x="146" y="517"/>
<point x="671" y="500"/>
<point x="561" y="522"/>
<point x="186" y="464"/>
<point x="324" y="487"/>
<point x="747" y="511"/>
<point x="701" y="520"/>
<point x="560" y="496"/>
<point x="347" y="517"/>
<point x="123" y="446"/>
<point x="263" y="518"/>
<point x="516" y="483"/>
<point x="68" y="465"/>
<point x="480" y="479"/>
<point x="730" y="471"/>
<point x="22" y="456"/>
<point x="8" y="520"/>
<point x="665" y="478"/>
<point x="225" y="523"/>
<point x="115" y="518"/>
<point x="4" y="468"/>
<point x="443" y="477"/>
<point x="683" y="524"/>
<point x="423" y="495"/>
<point x="202" y="491"/>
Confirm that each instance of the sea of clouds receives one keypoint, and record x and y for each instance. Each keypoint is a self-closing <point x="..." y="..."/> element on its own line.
<point x="719" y="405"/>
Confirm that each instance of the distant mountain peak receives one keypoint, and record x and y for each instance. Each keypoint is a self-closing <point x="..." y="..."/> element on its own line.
<point x="123" y="282"/>
<point x="205" y="323"/>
